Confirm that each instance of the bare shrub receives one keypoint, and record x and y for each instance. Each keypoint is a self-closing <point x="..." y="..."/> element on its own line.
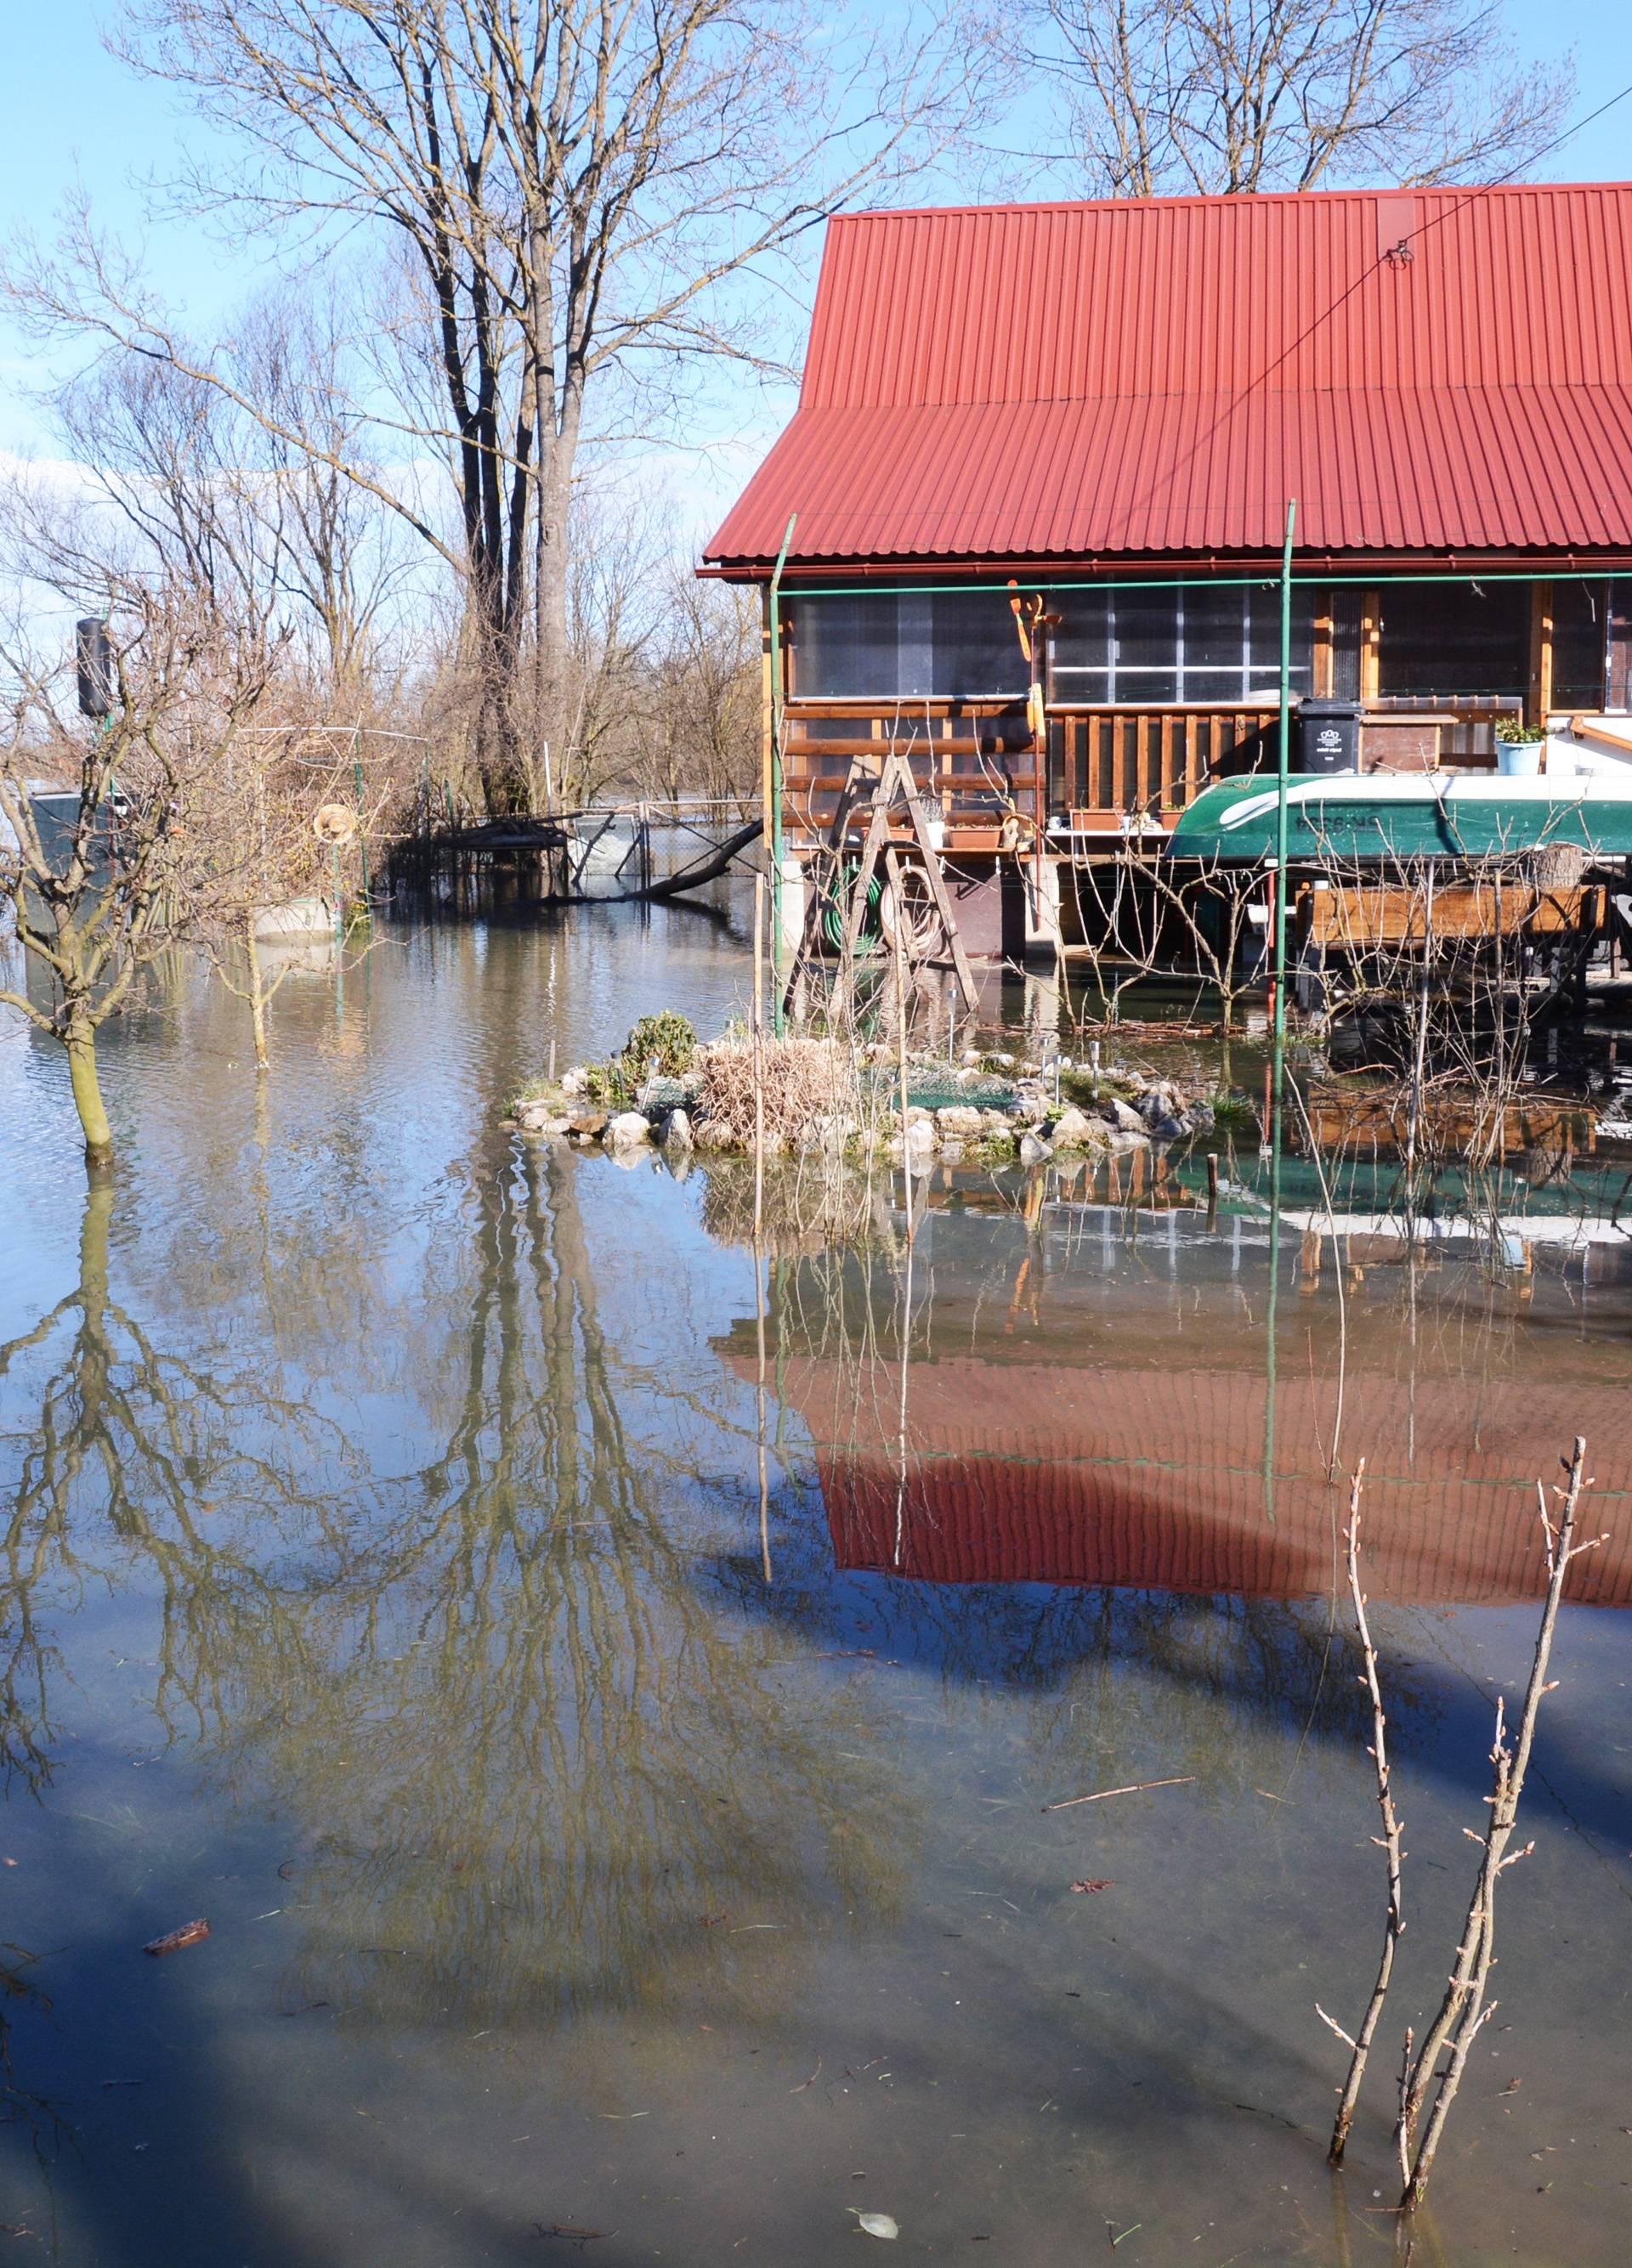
<point x="804" y="1080"/>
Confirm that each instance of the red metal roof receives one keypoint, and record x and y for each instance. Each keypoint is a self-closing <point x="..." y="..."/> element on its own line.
<point x="1145" y="378"/>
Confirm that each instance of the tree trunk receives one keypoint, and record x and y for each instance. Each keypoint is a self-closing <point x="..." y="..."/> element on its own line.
<point x="257" y="993"/>
<point x="551" y="629"/>
<point x="88" y="1094"/>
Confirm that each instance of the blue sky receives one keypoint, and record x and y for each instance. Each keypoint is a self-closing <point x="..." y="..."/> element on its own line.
<point x="72" y="111"/>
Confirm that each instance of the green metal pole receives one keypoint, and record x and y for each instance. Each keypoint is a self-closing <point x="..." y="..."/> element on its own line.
<point x="1272" y="1316"/>
<point x="1282" y="754"/>
<point x="776" y="766"/>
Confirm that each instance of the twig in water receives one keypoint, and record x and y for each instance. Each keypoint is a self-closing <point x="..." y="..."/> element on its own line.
<point x="1463" y="2013"/>
<point x="1361" y="2045"/>
<point x="1138" y="1788"/>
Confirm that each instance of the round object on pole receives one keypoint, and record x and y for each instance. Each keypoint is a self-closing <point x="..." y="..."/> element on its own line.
<point x="333" y="823"/>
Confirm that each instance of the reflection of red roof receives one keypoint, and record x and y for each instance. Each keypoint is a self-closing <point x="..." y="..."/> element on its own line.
<point x="1023" y="1472"/>
<point x="1140" y="378"/>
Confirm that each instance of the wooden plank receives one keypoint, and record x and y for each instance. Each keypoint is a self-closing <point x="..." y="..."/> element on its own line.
<point x="1539" y="698"/>
<point x="1618" y="627"/>
<point x="1323" y="671"/>
<point x="767" y="749"/>
<point x="1371" y="644"/>
<point x="1359" y="917"/>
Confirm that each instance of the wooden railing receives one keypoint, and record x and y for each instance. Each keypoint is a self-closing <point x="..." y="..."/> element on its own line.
<point x="973" y="761"/>
<point x="1107" y="764"/>
<point x="975" y="766"/>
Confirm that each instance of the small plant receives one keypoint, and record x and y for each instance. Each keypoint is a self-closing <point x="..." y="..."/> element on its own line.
<point x="666" y="1040"/>
<point x="537" y="1089"/>
<point x="606" y="1085"/>
<point x="1234" y="1110"/>
<point x="1514" y="730"/>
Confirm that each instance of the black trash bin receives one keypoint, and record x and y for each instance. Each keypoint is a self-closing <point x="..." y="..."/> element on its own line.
<point x="1328" y="736"/>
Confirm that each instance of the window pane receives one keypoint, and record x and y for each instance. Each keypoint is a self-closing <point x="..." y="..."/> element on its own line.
<point x="915" y="670"/>
<point x="976" y="644"/>
<point x="1221" y="685"/>
<point x="1215" y="633"/>
<point x="844" y="649"/>
<point x="1347" y="607"/>
<point x="1440" y="638"/>
<point x="1578" y="645"/>
<point x="1264" y="605"/>
<point x="1081" y="640"/>
<point x="1147" y="631"/>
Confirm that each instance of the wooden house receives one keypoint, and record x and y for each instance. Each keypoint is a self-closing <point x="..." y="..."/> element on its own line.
<point x="1030" y="511"/>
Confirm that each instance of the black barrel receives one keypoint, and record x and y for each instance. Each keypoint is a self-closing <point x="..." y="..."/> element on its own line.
<point x="1328" y="736"/>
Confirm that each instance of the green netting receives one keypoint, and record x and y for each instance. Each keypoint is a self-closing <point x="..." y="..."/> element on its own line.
<point x="944" y="1090"/>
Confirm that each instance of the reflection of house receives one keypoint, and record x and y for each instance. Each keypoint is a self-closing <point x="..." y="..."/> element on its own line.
<point x="1102" y="409"/>
<point x="1148" y="1478"/>
<point x="1087" y="1402"/>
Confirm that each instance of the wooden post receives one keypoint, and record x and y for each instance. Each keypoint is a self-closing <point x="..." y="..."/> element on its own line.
<point x="1618" y="669"/>
<point x="767" y="690"/>
<point x="1324" y="632"/>
<point x="1370" y="644"/>
<point x="1539" y="698"/>
<point x="759" y="1064"/>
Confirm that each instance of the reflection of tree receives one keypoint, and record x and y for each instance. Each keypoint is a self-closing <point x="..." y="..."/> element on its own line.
<point x="554" y="1782"/>
<point x="532" y="1772"/>
<point x="131" y="1455"/>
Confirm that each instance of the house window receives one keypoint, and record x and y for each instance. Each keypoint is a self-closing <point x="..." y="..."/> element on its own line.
<point x="888" y="646"/>
<point x="1216" y="644"/>
<point x="1441" y="638"/>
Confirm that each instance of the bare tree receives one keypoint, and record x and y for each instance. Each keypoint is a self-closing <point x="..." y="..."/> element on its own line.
<point x="699" y="731"/>
<point x="264" y="531"/>
<point x="1172" y="95"/>
<point x="573" y="184"/>
<point x="125" y="863"/>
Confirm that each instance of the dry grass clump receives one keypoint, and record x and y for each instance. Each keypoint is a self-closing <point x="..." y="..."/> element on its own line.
<point x="802" y="1079"/>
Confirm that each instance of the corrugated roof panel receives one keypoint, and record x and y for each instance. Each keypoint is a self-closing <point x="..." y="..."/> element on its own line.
<point x="1476" y="469"/>
<point x="1157" y="377"/>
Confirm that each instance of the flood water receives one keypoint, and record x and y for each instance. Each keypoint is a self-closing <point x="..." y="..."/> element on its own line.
<point x="600" y="1860"/>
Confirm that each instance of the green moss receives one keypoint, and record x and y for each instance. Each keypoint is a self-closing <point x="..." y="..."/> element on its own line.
<point x="1081" y="1087"/>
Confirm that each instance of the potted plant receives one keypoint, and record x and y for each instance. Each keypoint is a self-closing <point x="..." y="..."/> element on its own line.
<point x="1519" y="747"/>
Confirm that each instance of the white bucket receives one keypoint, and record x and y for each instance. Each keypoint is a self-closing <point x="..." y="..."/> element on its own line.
<point x="1519" y="759"/>
<point x="296" y="919"/>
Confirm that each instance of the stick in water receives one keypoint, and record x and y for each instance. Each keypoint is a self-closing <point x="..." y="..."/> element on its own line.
<point x="1464" y="2011"/>
<point x="1138" y="1788"/>
<point x="1361" y="2044"/>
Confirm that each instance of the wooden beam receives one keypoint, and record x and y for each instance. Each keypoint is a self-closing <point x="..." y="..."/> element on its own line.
<point x="1324" y="633"/>
<point x="1618" y="673"/>
<point x="767" y="717"/>
<point x="1370" y="644"/>
<point x="1539" y="696"/>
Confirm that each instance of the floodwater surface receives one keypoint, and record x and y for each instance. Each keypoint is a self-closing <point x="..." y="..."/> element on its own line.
<point x="603" y="1855"/>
